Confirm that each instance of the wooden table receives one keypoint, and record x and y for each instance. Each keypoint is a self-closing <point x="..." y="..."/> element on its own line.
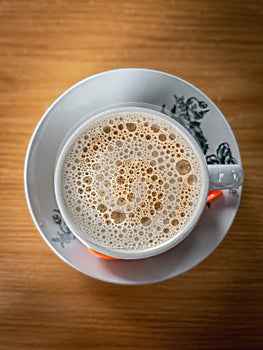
<point x="45" y="47"/>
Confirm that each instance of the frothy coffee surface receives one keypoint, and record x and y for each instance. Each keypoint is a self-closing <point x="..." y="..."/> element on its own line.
<point x="131" y="182"/>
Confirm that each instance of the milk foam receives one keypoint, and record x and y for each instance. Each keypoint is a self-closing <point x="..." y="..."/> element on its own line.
<point x="131" y="182"/>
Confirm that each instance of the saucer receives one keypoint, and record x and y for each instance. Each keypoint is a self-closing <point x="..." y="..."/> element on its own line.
<point x="168" y="94"/>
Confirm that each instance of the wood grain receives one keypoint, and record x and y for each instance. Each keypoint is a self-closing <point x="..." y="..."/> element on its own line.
<point x="45" y="47"/>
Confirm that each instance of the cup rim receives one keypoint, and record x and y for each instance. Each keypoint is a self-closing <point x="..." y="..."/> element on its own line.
<point x="63" y="150"/>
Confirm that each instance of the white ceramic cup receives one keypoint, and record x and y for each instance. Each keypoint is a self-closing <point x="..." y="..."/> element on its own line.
<point x="214" y="177"/>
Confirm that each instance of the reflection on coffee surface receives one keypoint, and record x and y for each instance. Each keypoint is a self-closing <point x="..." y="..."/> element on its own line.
<point x="131" y="181"/>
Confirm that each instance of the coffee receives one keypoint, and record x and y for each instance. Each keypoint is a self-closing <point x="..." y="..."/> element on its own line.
<point x="131" y="181"/>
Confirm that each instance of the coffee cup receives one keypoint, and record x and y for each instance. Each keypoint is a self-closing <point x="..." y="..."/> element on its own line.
<point x="132" y="182"/>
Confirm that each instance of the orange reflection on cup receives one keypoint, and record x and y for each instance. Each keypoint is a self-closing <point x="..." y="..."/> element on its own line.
<point x="99" y="255"/>
<point x="213" y="195"/>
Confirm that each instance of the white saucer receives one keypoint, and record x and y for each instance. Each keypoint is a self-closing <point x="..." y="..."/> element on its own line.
<point x="142" y="86"/>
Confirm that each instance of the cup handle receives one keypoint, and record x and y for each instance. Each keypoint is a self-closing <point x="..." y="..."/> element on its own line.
<point x="224" y="176"/>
